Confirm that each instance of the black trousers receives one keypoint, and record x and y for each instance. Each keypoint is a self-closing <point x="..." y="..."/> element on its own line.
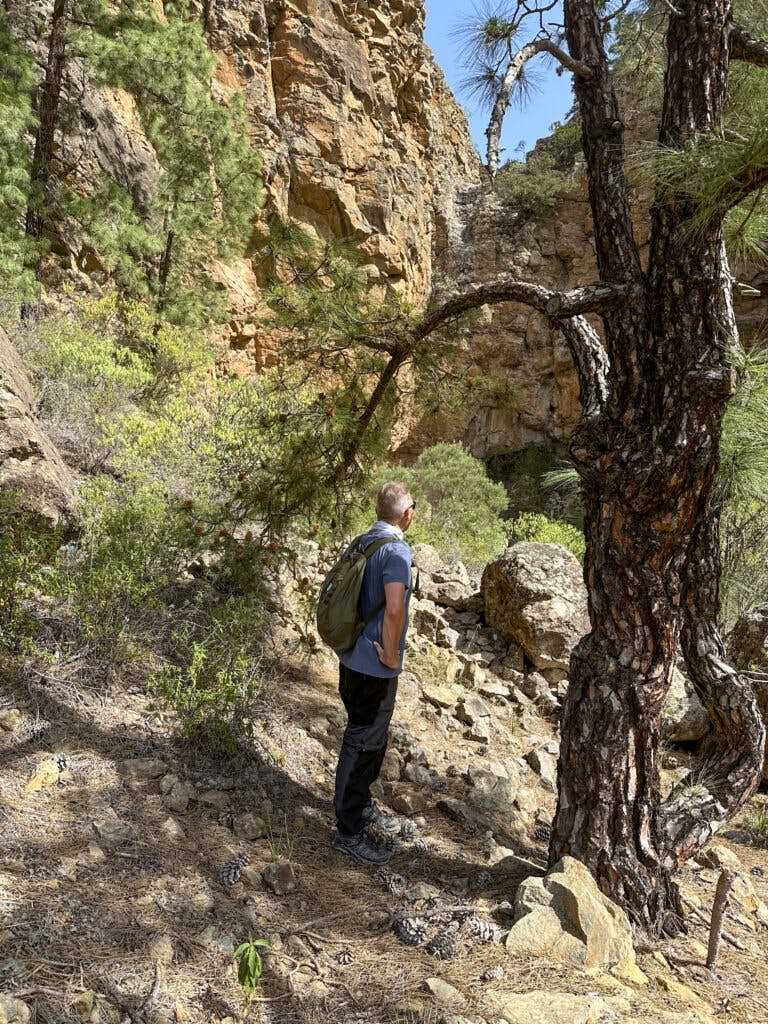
<point x="369" y="701"/>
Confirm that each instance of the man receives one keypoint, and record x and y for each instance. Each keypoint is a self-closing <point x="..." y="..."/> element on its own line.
<point x="368" y="676"/>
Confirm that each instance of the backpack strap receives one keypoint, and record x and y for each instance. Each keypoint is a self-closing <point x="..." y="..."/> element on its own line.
<point x="371" y="550"/>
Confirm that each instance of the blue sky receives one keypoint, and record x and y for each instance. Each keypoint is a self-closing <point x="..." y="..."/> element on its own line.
<point x="550" y="102"/>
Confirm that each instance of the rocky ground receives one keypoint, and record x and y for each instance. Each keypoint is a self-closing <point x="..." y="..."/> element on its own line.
<point x="132" y="864"/>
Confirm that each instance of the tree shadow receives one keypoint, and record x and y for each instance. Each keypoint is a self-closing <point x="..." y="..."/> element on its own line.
<point x="89" y="912"/>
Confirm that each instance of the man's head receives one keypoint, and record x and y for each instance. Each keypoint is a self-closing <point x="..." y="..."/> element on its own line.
<point x="395" y="505"/>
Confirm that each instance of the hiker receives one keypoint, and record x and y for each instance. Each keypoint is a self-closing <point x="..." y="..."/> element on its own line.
<point x="368" y="675"/>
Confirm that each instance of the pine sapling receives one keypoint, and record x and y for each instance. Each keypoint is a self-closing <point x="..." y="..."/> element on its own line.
<point x="249" y="968"/>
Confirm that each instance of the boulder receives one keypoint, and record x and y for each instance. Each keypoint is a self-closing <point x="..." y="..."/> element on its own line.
<point x="13" y="1011"/>
<point x="426" y="619"/>
<point x="535" y="595"/>
<point x="545" y="766"/>
<point x="573" y="921"/>
<point x="280" y="877"/>
<point x="684" y="720"/>
<point x="440" y="696"/>
<point x="537" y="689"/>
<point x="30" y="464"/>
<point x="718" y="856"/>
<point x="547" y="1007"/>
<point x="493" y="794"/>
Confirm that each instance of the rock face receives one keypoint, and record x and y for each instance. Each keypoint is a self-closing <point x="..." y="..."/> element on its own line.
<point x="534" y="594"/>
<point x="360" y="136"/>
<point x="29" y="462"/>
<point x="565" y="916"/>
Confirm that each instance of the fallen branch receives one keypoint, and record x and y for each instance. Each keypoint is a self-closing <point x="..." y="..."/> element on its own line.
<point x="719" y="907"/>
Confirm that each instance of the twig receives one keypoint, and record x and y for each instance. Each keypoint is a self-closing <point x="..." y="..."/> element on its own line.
<point x="26" y="992"/>
<point x="703" y="917"/>
<point x="378" y="908"/>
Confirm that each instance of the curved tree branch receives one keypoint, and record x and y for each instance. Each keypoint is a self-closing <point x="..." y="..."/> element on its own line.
<point x="745" y="47"/>
<point x="733" y="756"/>
<point x="560" y="308"/>
<point x="511" y="76"/>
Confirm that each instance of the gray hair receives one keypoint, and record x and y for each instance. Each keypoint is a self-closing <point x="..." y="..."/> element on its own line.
<point x="392" y="502"/>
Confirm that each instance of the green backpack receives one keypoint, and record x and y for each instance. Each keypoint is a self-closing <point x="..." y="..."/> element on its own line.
<point x="338" y="607"/>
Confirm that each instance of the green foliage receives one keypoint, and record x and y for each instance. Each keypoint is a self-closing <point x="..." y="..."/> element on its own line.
<point x="755" y="818"/>
<point x="25" y="549"/>
<point x="564" y="144"/>
<point x="212" y="684"/>
<point x="134" y="543"/>
<point x="742" y="487"/>
<point x="249" y="966"/>
<point x="537" y="528"/>
<point x="98" y="362"/>
<point x="533" y="186"/>
<point x="210" y="186"/>
<point x="17" y="82"/>
<point x="522" y="474"/>
<point x="458" y="506"/>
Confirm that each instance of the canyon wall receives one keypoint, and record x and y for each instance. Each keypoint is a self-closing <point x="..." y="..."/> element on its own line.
<point x="362" y="139"/>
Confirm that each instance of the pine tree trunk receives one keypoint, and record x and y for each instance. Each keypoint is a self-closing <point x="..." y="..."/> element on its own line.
<point x="48" y="108"/>
<point x="648" y="463"/>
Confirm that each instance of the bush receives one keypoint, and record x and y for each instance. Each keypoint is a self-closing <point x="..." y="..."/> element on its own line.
<point x="134" y="542"/>
<point x="537" y="528"/>
<point x="25" y="551"/>
<point x="532" y="187"/>
<point x="459" y="507"/>
<point x="213" y="686"/>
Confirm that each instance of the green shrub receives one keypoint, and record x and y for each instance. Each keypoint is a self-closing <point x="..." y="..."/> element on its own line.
<point x="25" y="551"/>
<point x="458" y="507"/>
<point x="134" y="542"/>
<point x="212" y="687"/>
<point x="532" y="187"/>
<point x="537" y="528"/>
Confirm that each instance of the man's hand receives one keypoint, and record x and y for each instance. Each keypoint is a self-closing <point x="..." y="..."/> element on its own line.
<point x="392" y="629"/>
<point x="383" y="658"/>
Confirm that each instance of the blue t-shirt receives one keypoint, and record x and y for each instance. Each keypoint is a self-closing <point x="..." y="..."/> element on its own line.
<point x="390" y="564"/>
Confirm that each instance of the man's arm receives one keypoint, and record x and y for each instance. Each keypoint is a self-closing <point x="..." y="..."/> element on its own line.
<point x="394" y="621"/>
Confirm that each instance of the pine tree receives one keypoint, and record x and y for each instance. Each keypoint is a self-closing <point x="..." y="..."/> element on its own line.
<point x="17" y="81"/>
<point x="210" y="187"/>
<point x="654" y="391"/>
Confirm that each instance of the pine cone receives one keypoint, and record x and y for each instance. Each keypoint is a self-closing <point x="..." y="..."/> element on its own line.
<point x="408" y="830"/>
<point x="542" y="833"/>
<point x="380" y="837"/>
<point x="452" y="771"/>
<point x="394" y="884"/>
<point x="421" y="846"/>
<point x="62" y="762"/>
<point x="445" y="944"/>
<point x="486" y="931"/>
<point x="412" y="931"/>
<point x="758" y="871"/>
<point x="344" y="958"/>
<point x="493" y="973"/>
<point x="230" y="872"/>
<point x="484" y="879"/>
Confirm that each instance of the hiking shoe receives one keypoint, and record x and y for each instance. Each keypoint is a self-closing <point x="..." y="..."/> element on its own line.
<point x="361" y="848"/>
<point x="377" y="820"/>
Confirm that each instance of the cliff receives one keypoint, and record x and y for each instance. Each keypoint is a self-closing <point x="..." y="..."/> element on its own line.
<point x="362" y="139"/>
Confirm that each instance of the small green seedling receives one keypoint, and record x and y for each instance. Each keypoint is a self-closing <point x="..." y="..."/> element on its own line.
<point x="249" y="967"/>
